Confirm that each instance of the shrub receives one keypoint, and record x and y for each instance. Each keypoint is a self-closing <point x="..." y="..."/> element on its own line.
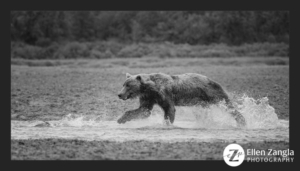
<point x="262" y="49"/>
<point x="113" y="46"/>
<point x="101" y="55"/>
<point x="135" y="50"/>
<point x="27" y="52"/>
<point x="43" y="42"/>
<point x="48" y="52"/>
<point x="217" y="53"/>
<point x="109" y="49"/>
<point x="73" y="50"/>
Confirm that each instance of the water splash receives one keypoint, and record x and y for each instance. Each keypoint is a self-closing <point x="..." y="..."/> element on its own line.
<point x="77" y="121"/>
<point x="258" y="113"/>
<point x="191" y="124"/>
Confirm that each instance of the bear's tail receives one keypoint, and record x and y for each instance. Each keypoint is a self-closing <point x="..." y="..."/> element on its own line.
<point x="236" y="114"/>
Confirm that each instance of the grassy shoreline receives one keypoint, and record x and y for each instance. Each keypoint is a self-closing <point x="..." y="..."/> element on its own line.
<point x="63" y="149"/>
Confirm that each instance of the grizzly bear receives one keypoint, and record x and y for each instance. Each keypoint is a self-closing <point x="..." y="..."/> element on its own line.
<point x="168" y="91"/>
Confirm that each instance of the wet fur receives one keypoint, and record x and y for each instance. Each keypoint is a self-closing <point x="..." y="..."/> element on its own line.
<point x="169" y="91"/>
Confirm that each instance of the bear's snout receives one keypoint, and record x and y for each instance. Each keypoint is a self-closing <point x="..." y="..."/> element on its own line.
<point x="121" y="96"/>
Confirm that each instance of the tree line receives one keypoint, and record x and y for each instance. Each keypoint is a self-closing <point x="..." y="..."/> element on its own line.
<point x="193" y="27"/>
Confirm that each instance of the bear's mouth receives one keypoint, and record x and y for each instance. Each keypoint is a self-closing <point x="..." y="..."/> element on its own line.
<point x="129" y="96"/>
<point x="126" y="97"/>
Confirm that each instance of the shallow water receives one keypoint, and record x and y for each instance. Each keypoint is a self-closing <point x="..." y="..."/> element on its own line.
<point x="191" y="124"/>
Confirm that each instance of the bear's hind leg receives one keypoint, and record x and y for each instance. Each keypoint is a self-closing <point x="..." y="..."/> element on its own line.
<point x="236" y="114"/>
<point x="241" y="122"/>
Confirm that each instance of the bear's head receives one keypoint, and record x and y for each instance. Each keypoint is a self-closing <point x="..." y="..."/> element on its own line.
<point x="141" y="85"/>
<point x="131" y="87"/>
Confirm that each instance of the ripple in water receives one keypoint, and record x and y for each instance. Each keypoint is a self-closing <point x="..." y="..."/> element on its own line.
<point x="191" y="124"/>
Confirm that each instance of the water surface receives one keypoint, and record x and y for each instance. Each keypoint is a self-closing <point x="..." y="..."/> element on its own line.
<point x="191" y="124"/>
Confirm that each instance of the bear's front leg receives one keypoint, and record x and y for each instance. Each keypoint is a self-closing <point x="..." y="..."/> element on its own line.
<point x="139" y="113"/>
<point x="169" y="110"/>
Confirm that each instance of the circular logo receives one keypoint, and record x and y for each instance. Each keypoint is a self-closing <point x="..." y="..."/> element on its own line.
<point x="234" y="155"/>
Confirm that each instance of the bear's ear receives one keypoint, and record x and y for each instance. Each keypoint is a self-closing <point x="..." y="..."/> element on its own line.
<point x="139" y="78"/>
<point x="128" y="75"/>
<point x="144" y="79"/>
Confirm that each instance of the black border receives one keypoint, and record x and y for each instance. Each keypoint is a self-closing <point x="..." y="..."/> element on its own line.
<point x="147" y="5"/>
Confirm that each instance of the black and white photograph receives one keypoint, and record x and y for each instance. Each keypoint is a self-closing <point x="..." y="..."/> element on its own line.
<point x="150" y="85"/>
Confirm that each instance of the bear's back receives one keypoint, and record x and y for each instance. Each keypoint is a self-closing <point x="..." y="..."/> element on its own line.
<point x="188" y="88"/>
<point x="191" y="79"/>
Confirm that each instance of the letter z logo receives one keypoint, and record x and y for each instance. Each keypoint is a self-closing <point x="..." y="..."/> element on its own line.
<point x="234" y="155"/>
<point x="235" y="151"/>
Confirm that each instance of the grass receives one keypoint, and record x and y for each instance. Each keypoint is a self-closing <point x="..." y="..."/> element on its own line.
<point x="90" y="87"/>
<point x="111" y="49"/>
<point x="61" y="149"/>
<point x="149" y="62"/>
